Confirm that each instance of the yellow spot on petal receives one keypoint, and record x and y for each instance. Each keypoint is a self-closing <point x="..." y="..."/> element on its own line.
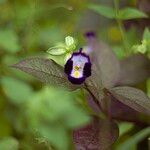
<point x="76" y="74"/>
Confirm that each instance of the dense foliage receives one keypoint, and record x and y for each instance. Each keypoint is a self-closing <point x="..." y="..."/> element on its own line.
<point x="110" y="110"/>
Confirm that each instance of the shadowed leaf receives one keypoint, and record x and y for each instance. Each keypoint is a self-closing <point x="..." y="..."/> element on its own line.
<point x="106" y="62"/>
<point x="98" y="135"/>
<point x="132" y="97"/>
<point x="94" y="84"/>
<point x="134" y="69"/>
<point x="121" y="112"/>
<point x="45" y="70"/>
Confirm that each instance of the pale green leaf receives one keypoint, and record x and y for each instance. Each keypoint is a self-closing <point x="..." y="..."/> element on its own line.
<point x="103" y="10"/>
<point x="57" y="50"/>
<point x="69" y="41"/>
<point x="130" y="13"/>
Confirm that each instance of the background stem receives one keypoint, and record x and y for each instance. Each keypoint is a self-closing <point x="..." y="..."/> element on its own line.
<point x="121" y="27"/>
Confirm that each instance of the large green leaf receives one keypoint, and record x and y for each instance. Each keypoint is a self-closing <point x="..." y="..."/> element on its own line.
<point x="9" y="41"/>
<point x="132" y="97"/>
<point x="130" y="13"/>
<point x="103" y="10"/>
<point x="17" y="91"/>
<point x="52" y="112"/>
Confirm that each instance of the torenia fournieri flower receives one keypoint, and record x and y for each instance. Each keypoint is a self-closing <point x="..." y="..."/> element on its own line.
<point x="78" y="67"/>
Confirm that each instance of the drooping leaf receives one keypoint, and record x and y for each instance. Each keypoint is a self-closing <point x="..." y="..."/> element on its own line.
<point x="106" y="63"/>
<point x="99" y="134"/>
<point x="134" y="69"/>
<point x="105" y="11"/>
<point x="132" y="97"/>
<point x="45" y="70"/>
<point x="131" y="13"/>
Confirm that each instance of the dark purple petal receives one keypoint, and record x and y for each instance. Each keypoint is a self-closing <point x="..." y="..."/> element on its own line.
<point x="90" y="34"/>
<point x="87" y="70"/>
<point x="76" y="80"/>
<point x="68" y="67"/>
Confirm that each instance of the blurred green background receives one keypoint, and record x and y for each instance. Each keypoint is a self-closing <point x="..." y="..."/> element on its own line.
<point x="28" y="28"/>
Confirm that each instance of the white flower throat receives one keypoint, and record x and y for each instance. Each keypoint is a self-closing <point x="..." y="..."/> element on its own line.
<point x="78" y="66"/>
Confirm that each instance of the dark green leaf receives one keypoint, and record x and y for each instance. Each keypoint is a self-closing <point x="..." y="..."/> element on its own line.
<point x="131" y="13"/>
<point x="134" y="69"/>
<point x="133" y="140"/>
<point x="103" y="10"/>
<point x="132" y="97"/>
<point x="45" y="70"/>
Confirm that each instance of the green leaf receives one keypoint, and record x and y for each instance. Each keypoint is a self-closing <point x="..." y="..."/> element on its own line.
<point x="131" y="13"/>
<point x="57" y="50"/>
<point x="146" y="35"/>
<point x="103" y="10"/>
<point x="8" y="143"/>
<point x="132" y="97"/>
<point x="124" y="127"/>
<point x="45" y="70"/>
<point x="52" y="112"/>
<point x="17" y="91"/>
<point x="134" y="139"/>
<point x="56" y="135"/>
<point x="9" y="41"/>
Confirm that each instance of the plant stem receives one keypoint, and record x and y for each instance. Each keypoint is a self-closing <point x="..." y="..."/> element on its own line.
<point x="121" y="28"/>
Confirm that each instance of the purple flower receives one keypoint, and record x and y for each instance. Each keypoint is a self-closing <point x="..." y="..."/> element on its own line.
<point x="78" y="67"/>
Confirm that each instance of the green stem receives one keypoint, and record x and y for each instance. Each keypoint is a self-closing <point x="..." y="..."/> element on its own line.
<point x="121" y="28"/>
